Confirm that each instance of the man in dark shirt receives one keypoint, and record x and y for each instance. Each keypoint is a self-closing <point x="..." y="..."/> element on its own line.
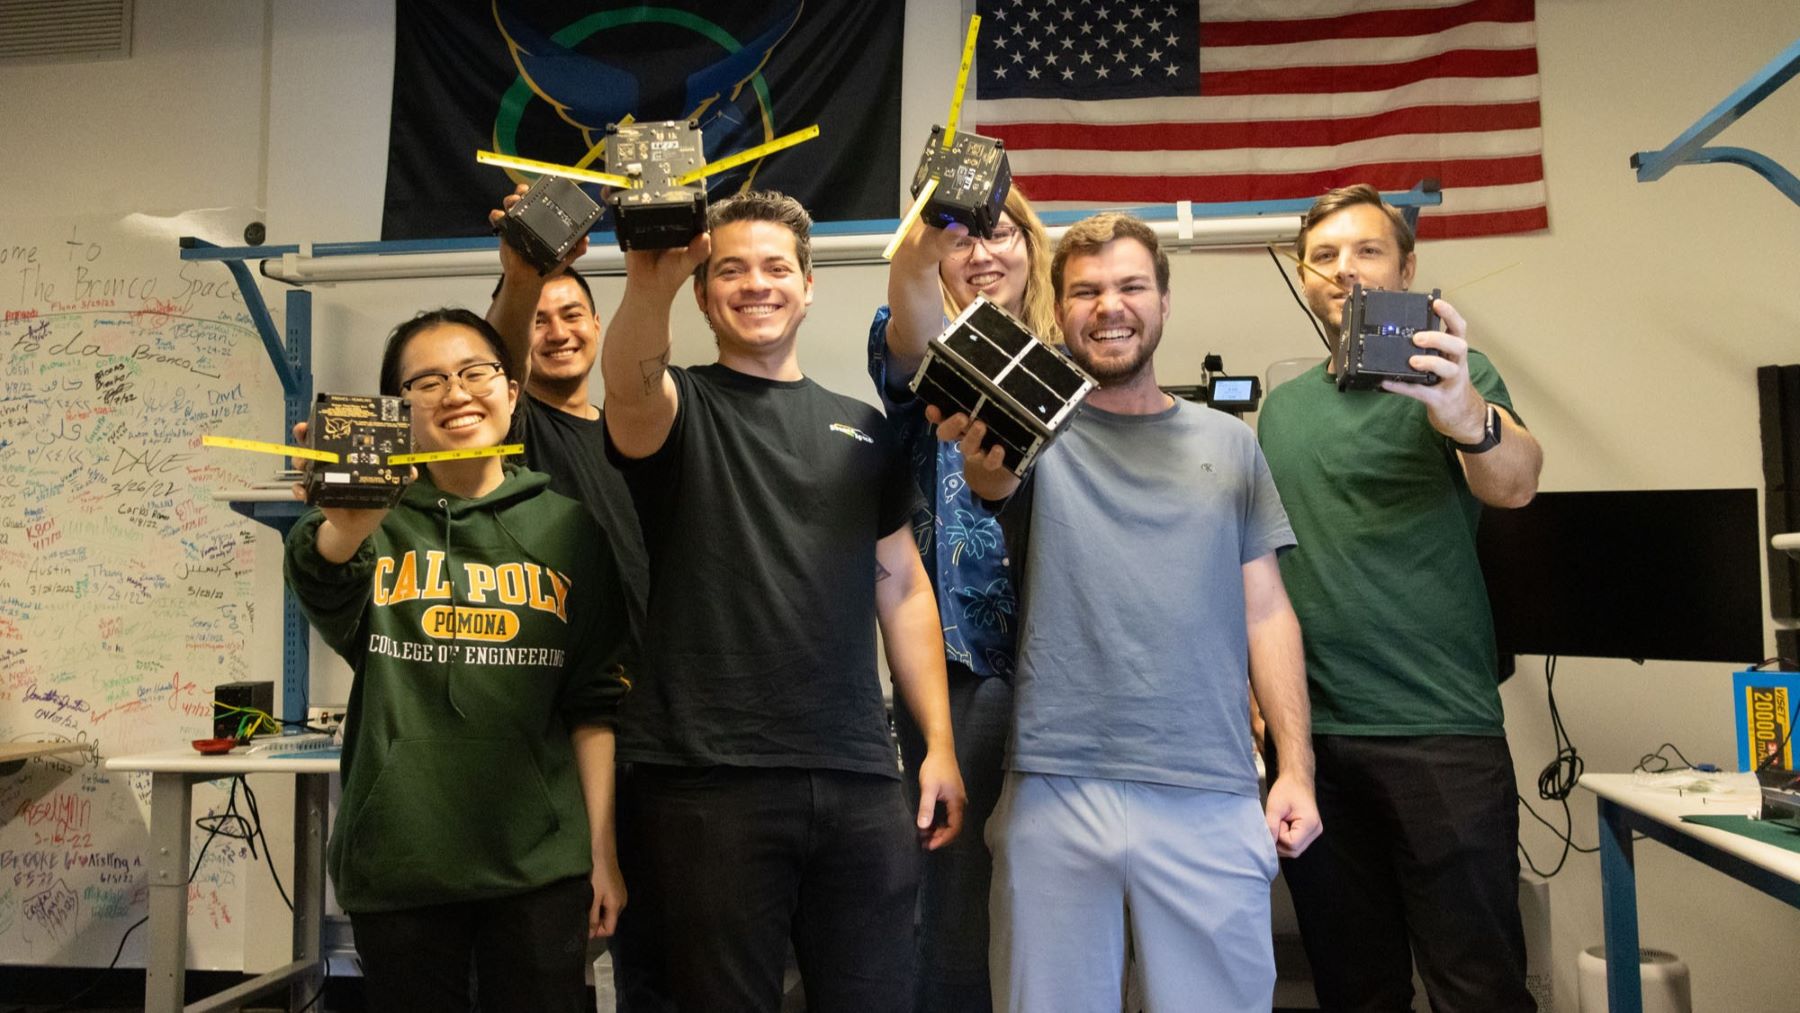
<point x="764" y="802"/>
<point x="553" y="335"/>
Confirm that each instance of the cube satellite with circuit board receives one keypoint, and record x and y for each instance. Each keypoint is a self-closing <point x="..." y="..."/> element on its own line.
<point x="1376" y="341"/>
<point x="973" y="179"/>
<point x="547" y="222"/>
<point x="363" y="431"/>
<point x="989" y="366"/>
<point x="658" y="197"/>
<point x="658" y="212"/>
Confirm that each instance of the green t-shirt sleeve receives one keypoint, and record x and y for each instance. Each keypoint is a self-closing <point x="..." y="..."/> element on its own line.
<point x="1489" y="385"/>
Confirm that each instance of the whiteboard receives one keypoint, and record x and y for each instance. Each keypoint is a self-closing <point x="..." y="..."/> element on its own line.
<point x="127" y="591"/>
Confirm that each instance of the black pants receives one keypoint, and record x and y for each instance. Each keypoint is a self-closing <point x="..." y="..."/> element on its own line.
<point x="640" y="983"/>
<point x="529" y="952"/>
<point x="1418" y="860"/>
<point x="954" y="880"/>
<point x="730" y="863"/>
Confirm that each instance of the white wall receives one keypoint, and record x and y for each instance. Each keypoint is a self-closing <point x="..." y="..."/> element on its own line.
<point x="1629" y="332"/>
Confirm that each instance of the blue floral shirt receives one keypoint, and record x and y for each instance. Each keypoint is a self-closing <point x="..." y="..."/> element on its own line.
<point x="960" y="543"/>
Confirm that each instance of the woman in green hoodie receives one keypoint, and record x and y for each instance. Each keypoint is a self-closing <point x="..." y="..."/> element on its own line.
<point x="486" y="625"/>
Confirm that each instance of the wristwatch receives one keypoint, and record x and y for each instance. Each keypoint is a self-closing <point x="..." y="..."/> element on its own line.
<point x="1489" y="439"/>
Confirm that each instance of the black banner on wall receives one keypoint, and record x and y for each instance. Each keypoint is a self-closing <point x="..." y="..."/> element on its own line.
<point x="543" y="79"/>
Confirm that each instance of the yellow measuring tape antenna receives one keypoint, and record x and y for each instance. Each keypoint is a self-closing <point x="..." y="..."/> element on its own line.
<point x="503" y="450"/>
<point x="259" y="447"/>
<point x="1304" y="266"/>
<point x="593" y="153"/>
<point x="962" y="81"/>
<point x="912" y="215"/>
<point x="552" y="169"/>
<point x="748" y="155"/>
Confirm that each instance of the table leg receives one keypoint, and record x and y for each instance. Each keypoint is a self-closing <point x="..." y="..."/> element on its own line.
<point x="1618" y="896"/>
<point x="310" y="800"/>
<point x="171" y="809"/>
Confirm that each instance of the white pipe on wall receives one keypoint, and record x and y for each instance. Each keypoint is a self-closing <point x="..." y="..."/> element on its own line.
<point x="860" y="248"/>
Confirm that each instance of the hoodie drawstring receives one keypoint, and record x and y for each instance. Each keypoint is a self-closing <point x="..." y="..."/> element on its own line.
<point x="456" y="640"/>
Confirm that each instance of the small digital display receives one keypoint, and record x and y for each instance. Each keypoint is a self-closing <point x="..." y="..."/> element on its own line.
<point x="1234" y="394"/>
<point x="1235" y="389"/>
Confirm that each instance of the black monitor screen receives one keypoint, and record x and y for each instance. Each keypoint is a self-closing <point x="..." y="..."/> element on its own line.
<point x="1668" y="574"/>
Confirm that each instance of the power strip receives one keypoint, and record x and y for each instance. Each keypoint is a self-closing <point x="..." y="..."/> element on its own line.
<point x="305" y="742"/>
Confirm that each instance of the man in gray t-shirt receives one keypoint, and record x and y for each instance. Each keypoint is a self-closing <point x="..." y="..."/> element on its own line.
<point x="1144" y="546"/>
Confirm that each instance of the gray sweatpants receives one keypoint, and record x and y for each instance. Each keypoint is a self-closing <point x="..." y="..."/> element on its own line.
<point x="1079" y="862"/>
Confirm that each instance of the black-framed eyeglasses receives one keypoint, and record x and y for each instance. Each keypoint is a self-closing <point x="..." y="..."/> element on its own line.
<point x="477" y="378"/>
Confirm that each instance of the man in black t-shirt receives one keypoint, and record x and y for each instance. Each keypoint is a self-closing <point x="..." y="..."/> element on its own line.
<point x="764" y="802"/>
<point x="553" y="335"/>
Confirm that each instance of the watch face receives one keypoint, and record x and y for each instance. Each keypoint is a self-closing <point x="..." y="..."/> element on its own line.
<point x="1491" y="438"/>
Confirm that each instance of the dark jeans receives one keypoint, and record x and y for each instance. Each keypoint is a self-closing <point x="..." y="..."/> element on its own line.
<point x="639" y="984"/>
<point x="1418" y="861"/>
<point x="529" y="952"/>
<point x="733" y="862"/>
<point x="953" y="880"/>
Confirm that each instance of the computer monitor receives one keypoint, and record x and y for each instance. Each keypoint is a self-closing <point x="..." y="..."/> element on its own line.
<point x="1666" y="574"/>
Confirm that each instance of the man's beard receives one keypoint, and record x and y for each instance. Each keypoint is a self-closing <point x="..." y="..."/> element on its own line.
<point x="1113" y="373"/>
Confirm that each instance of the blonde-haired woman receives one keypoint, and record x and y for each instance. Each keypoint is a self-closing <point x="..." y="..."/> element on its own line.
<point x="935" y="274"/>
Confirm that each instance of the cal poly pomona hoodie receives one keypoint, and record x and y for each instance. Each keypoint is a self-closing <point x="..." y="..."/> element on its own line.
<point x="481" y="631"/>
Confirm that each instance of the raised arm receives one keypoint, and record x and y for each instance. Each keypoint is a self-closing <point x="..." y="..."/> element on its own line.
<point x="915" y="298"/>
<point x="514" y="309"/>
<point x="640" y="394"/>
<point x="914" y="638"/>
<point x="1505" y="475"/>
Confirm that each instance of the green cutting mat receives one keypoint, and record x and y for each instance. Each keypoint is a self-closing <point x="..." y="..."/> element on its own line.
<point x="1757" y="830"/>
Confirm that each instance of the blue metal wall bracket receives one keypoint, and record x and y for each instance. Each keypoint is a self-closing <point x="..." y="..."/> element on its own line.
<point x="291" y="357"/>
<point x="1690" y="148"/>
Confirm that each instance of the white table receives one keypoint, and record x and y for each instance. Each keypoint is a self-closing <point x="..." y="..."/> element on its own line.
<point x="1625" y="807"/>
<point x="173" y="775"/>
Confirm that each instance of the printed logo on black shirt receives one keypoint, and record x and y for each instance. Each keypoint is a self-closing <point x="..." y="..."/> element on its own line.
<point x="851" y="431"/>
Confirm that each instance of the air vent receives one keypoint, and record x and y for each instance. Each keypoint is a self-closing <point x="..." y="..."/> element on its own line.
<point x="64" y="31"/>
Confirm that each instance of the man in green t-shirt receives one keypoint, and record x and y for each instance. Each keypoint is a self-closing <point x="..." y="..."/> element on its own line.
<point x="1384" y="489"/>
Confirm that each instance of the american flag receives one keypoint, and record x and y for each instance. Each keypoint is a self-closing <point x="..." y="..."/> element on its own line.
<point x="1111" y="102"/>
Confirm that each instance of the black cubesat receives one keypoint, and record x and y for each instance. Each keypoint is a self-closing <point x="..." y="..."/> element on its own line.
<point x="989" y="366"/>
<point x="1376" y="340"/>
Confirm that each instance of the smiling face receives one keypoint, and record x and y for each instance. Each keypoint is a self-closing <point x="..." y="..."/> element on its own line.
<point x="755" y="293"/>
<point x="1356" y="244"/>
<point x="565" y="335"/>
<point x="1111" y="311"/>
<point x="456" y="417"/>
<point x="997" y="268"/>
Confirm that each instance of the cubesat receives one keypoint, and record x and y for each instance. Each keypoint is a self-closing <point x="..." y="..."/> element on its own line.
<point x="973" y="178"/>
<point x="989" y="366"/>
<point x="657" y="171"/>
<point x="364" y="431"/>
<point x="1376" y="340"/>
